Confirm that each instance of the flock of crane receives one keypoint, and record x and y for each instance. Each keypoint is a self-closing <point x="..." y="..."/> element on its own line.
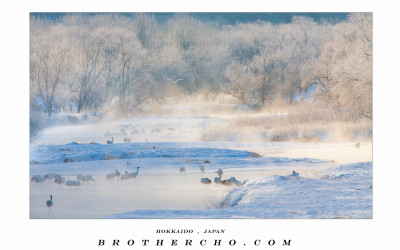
<point x="217" y="180"/>
<point x="227" y="182"/>
<point x="58" y="179"/>
<point x="123" y="177"/>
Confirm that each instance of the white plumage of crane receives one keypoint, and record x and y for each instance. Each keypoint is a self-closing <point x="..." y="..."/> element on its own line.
<point x="220" y="172"/>
<point x="52" y="176"/>
<point x="202" y="169"/>
<point x="238" y="183"/>
<point x="60" y="180"/>
<point x="111" y="176"/>
<point x="38" y="179"/>
<point x="134" y="174"/>
<point x="205" y="181"/>
<point x="226" y="183"/>
<point x="84" y="178"/>
<point x="71" y="183"/>
<point x="217" y="180"/>
<point x="229" y="182"/>
<point x="125" y="176"/>
<point x="175" y="81"/>
<point x="49" y="203"/>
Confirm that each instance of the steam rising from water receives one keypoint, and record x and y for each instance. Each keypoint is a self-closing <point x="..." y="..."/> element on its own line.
<point x="166" y="191"/>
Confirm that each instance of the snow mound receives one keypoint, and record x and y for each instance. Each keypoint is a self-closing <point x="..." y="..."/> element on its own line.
<point x="352" y="171"/>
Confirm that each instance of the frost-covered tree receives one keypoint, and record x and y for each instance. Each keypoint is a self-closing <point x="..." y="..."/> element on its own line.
<point x="304" y="54"/>
<point x="88" y="69"/>
<point x="240" y="82"/>
<point x="264" y="75"/>
<point x="47" y="69"/>
<point x="88" y="62"/>
<point x="345" y="67"/>
<point x="145" y="27"/>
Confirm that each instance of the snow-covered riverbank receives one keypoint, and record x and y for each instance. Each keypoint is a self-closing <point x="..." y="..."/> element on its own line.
<point x="161" y="191"/>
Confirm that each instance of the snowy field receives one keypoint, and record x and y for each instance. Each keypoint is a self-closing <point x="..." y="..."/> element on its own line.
<point x="335" y="179"/>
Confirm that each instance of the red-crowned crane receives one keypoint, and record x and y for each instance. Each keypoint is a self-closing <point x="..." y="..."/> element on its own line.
<point x="49" y="203"/>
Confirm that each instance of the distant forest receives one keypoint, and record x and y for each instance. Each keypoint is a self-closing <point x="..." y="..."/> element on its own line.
<point x="88" y="62"/>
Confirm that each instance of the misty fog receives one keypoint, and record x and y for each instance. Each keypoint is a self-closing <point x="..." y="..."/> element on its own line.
<point x="317" y="73"/>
